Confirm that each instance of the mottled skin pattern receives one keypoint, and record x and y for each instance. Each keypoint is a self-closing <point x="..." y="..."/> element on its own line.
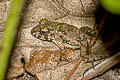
<point x="62" y="34"/>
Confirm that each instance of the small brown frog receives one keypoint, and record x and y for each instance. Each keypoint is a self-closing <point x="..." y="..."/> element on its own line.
<point x="64" y="35"/>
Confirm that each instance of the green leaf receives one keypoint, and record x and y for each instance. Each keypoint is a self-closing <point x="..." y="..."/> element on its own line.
<point x="112" y="6"/>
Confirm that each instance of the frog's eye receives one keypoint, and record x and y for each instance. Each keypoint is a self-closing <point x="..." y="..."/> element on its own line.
<point x="43" y="21"/>
<point x="43" y="27"/>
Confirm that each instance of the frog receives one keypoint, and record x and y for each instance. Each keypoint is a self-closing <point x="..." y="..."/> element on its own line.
<point x="64" y="35"/>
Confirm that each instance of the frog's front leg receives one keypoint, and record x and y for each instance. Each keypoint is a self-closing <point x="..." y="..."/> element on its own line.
<point x="85" y="48"/>
<point x="60" y="45"/>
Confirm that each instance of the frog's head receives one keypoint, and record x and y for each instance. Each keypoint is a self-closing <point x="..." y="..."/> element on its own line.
<point x="41" y="31"/>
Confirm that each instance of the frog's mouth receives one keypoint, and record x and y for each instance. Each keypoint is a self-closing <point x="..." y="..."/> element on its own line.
<point x="36" y="34"/>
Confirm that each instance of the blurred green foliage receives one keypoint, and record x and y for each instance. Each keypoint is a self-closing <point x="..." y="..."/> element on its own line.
<point x="112" y="6"/>
<point x="9" y="35"/>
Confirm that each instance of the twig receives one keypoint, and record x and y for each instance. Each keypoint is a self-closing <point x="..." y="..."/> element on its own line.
<point x="101" y="67"/>
<point x="99" y="30"/>
<point x="20" y="78"/>
<point x="36" y="78"/>
<point x="59" y="6"/>
<point x="92" y="43"/>
<point x="73" y="69"/>
<point x="9" y="35"/>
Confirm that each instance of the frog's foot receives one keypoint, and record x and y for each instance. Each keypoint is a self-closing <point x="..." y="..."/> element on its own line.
<point x="63" y="56"/>
<point x="92" y="63"/>
<point x="62" y="48"/>
<point x="93" y="66"/>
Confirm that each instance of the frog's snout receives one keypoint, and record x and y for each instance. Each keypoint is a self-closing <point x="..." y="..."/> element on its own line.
<point x="40" y="34"/>
<point x="35" y="32"/>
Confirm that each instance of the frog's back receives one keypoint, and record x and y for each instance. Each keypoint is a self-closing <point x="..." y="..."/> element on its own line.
<point x="59" y="32"/>
<point x="69" y="34"/>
